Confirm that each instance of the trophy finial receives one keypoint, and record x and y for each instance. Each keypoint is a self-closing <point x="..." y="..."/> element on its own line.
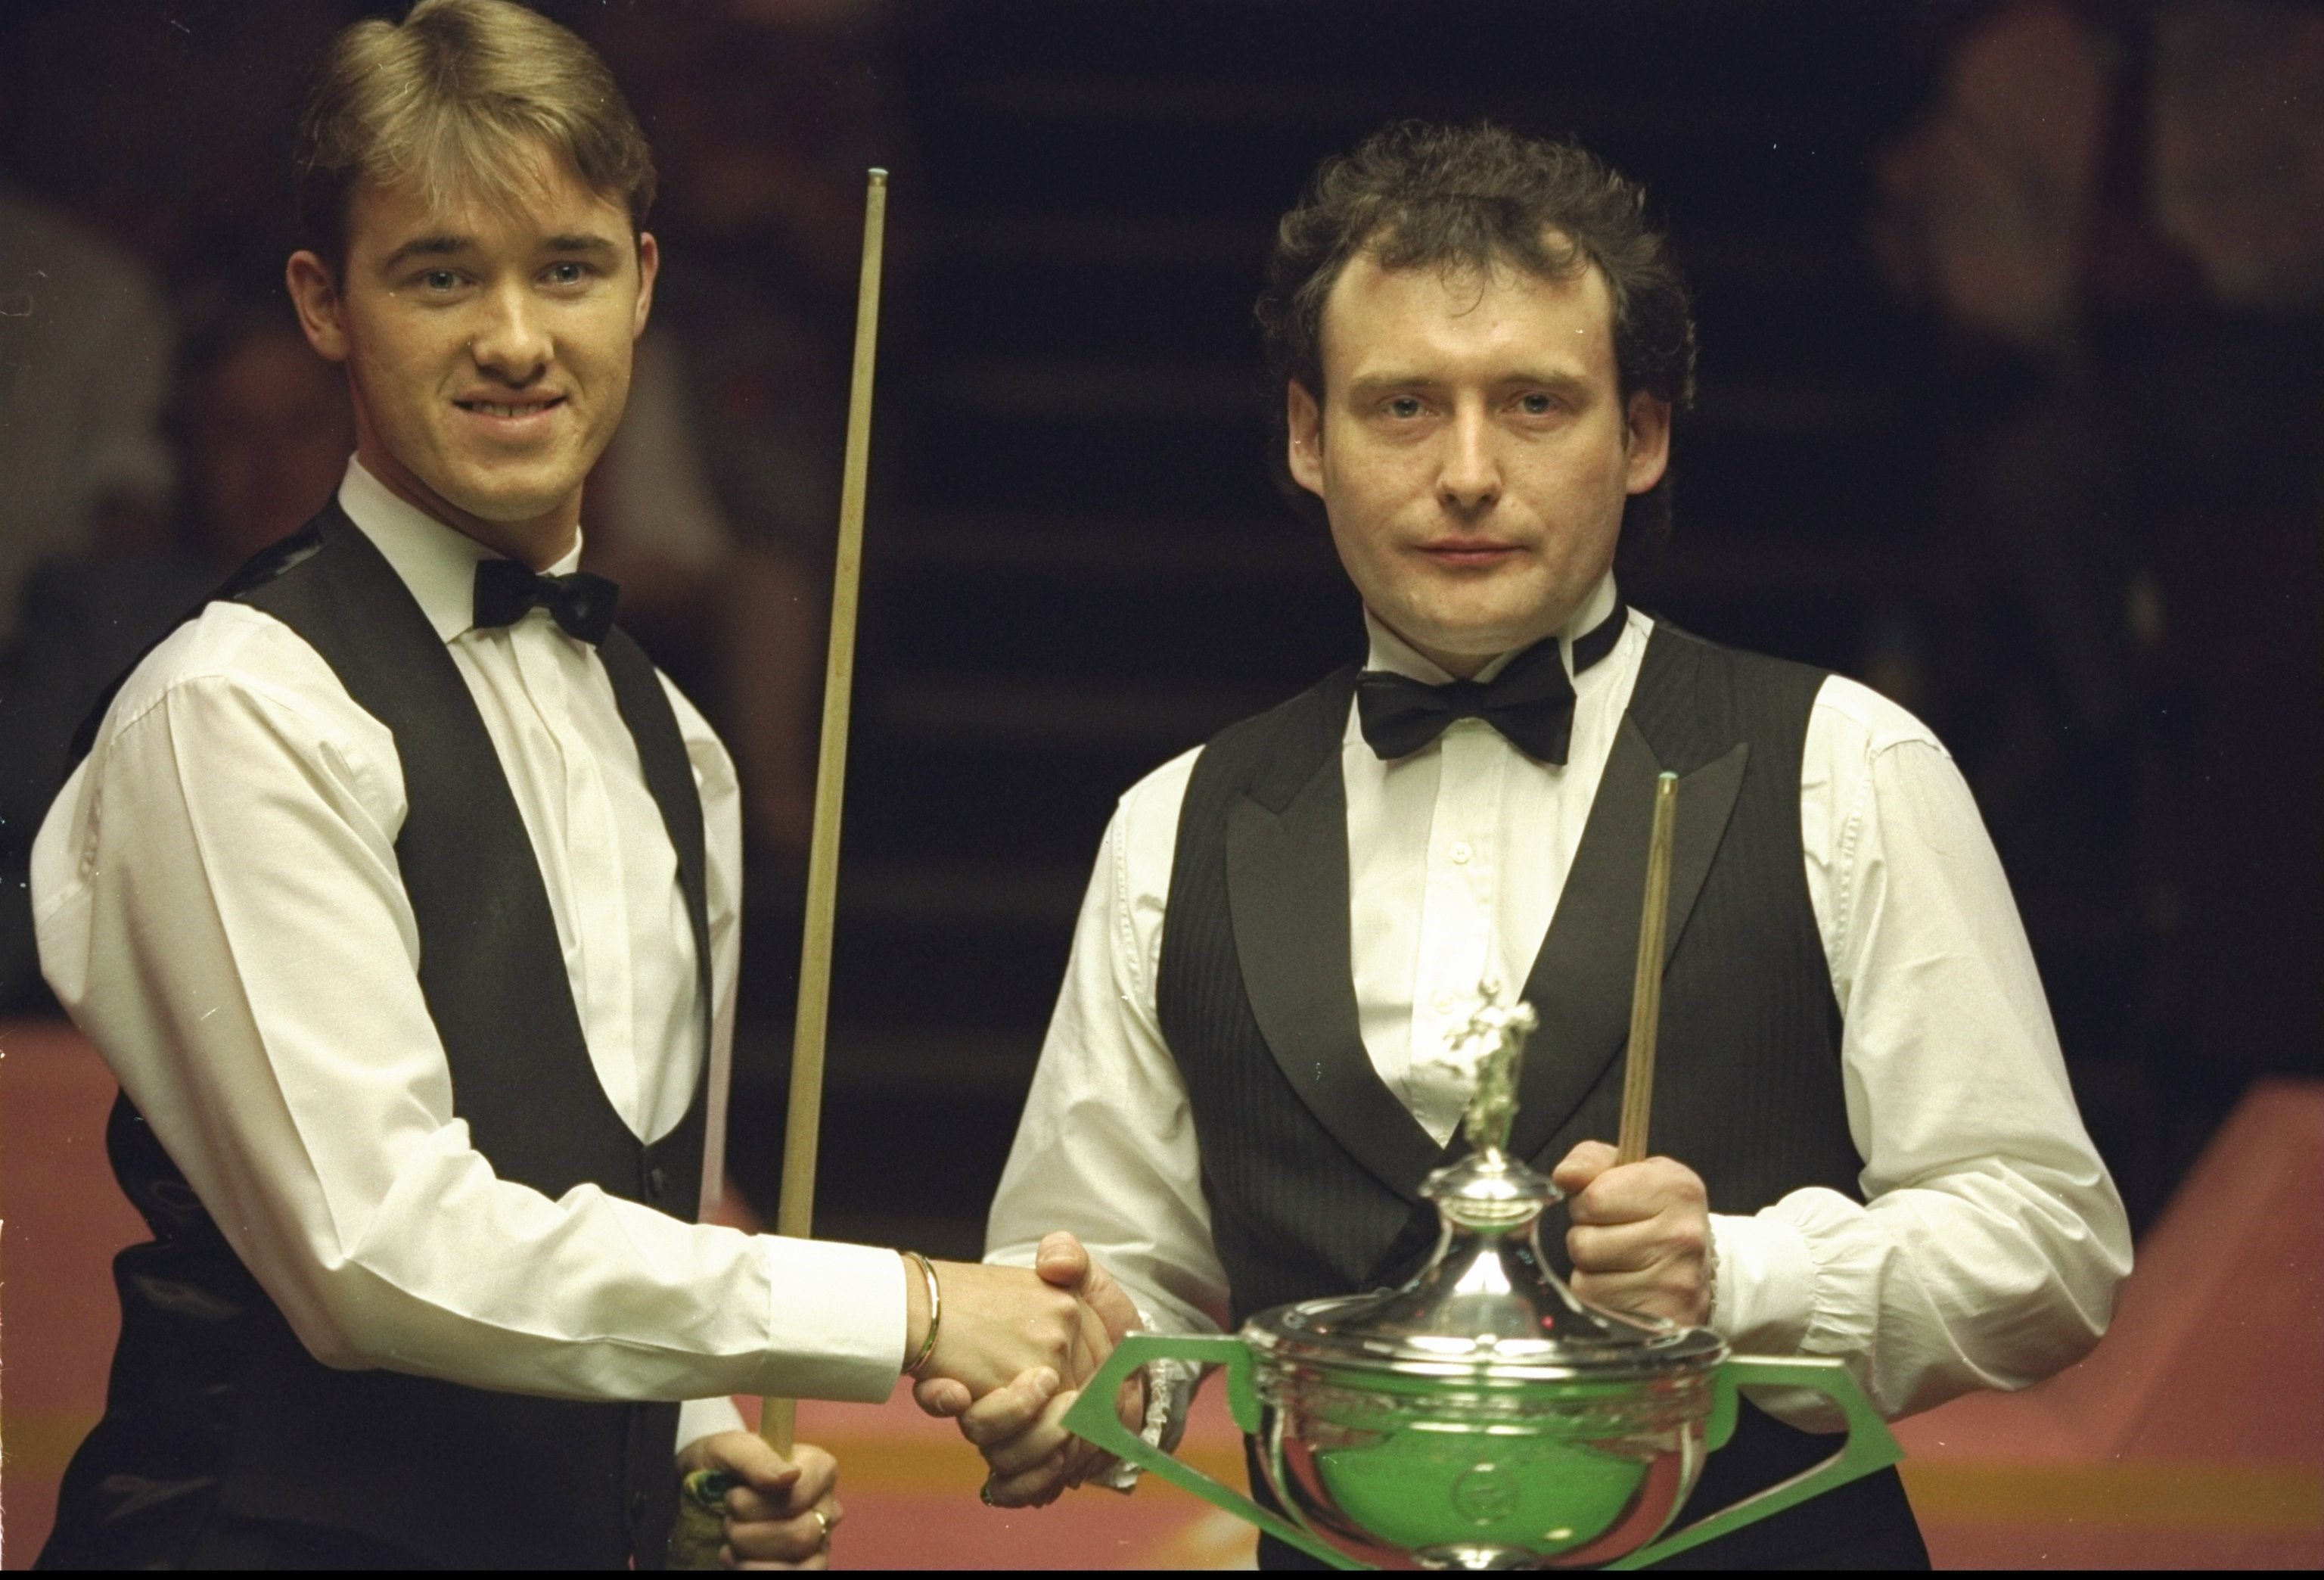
<point x="1489" y="1048"/>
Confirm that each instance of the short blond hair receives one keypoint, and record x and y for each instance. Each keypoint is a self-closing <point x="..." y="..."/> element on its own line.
<point x="462" y="96"/>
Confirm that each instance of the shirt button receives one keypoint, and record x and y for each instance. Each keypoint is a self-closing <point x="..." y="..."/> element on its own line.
<point x="1443" y="1002"/>
<point x="1461" y="853"/>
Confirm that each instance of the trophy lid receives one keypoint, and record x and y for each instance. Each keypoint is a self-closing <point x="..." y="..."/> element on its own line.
<point x="1486" y="1308"/>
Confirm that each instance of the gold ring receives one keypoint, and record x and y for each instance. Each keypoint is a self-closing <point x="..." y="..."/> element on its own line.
<point x="822" y="1523"/>
<point x="985" y="1494"/>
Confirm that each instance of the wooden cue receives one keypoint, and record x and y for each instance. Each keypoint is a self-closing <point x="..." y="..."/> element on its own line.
<point x="795" y="1212"/>
<point x="1646" y="989"/>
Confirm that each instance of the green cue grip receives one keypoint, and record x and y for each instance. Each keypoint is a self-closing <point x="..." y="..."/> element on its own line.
<point x="701" y="1527"/>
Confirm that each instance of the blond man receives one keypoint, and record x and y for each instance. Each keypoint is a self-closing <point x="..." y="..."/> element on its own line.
<point x="401" y="891"/>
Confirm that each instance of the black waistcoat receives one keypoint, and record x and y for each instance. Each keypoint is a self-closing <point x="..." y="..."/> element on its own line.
<point x="1312" y="1167"/>
<point x="214" y="1405"/>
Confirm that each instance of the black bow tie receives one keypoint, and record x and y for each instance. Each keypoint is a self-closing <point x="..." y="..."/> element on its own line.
<point x="582" y="604"/>
<point x="1530" y="701"/>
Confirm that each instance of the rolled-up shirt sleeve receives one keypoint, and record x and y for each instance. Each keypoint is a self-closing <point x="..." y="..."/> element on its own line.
<point x="219" y="907"/>
<point x="1991" y="1242"/>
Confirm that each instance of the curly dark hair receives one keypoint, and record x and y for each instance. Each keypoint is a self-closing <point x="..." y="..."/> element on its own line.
<point x="1417" y="194"/>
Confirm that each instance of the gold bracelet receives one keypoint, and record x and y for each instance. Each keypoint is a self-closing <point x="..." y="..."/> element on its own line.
<point x="935" y="1314"/>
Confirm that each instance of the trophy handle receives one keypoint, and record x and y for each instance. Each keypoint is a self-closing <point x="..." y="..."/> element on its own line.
<point x="1869" y="1446"/>
<point x="1092" y="1417"/>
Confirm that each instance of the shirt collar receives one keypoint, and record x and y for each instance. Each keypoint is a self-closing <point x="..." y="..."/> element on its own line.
<point x="1391" y="653"/>
<point x="436" y="562"/>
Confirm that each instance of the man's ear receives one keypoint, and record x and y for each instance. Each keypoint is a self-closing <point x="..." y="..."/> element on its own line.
<point x="1648" y="442"/>
<point x="649" y="266"/>
<point x="1304" y="420"/>
<point x="315" y="292"/>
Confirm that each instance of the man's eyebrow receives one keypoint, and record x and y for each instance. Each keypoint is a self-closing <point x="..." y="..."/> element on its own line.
<point x="579" y="241"/>
<point x="1558" y="378"/>
<point x="447" y="245"/>
<point x="1554" y="378"/>
<point x="1394" y="380"/>
<point x="443" y="246"/>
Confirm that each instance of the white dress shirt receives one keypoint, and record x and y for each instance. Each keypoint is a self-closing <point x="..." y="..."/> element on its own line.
<point x="219" y="908"/>
<point x="1991" y="1242"/>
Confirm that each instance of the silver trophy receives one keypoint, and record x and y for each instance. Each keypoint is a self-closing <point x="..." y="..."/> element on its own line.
<point x="1481" y="1417"/>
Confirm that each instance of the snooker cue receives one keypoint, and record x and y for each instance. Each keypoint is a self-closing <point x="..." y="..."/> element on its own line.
<point x="795" y="1209"/>
<point x="1646" y="989"/>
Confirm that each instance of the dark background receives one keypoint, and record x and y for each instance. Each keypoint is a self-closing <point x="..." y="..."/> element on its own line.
<point x="2084" y="546"/>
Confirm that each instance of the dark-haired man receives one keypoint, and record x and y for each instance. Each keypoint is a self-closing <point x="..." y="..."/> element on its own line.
<point x="401" y="891"/>
<point x="1870" y="1150"/>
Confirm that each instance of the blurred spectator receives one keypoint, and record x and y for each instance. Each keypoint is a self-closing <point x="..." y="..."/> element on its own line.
<point x="167" y="126"/>
<point x="654" y="522"/>
<point x="762" y="117"/>
<point x="736" y="622"/>
<point x="266" y="430"/>
<point x="263" y="433"/>
<point x="1988" y="198"/>
<point x="84" y="367"/>
<point x="2117" y="215"/>
<point x="2239" y="148"/>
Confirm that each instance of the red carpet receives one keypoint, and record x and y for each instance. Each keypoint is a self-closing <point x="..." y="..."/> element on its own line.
<point x="2194" y="1436"/>
<point x="61" y="1219"/>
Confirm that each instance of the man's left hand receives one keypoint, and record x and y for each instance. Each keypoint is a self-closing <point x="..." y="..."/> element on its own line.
<point x="1640" y="1238"/>
<point x="783" y="1513"/>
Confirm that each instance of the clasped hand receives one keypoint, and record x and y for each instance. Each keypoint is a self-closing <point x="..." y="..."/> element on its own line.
<point x="780" y="1513"/>
<point x="1016" y="1420"/>
<point x="1009" y="1339"/>
<point x="1639" y="1234"/>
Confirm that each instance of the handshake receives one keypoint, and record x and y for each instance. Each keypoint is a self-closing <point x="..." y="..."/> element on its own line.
<point x="1011" y="1350"/>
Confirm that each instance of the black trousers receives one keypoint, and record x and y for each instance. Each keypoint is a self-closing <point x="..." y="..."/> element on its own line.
<point x="226" y="1542"/>
<point x="265" y="1543"/>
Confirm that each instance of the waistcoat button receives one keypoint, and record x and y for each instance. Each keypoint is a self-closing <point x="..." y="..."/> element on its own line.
<point x="656" y="1183"/>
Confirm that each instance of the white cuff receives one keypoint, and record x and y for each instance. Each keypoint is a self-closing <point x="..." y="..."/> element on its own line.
<point x="701" y="1417"/>
<point x="1169" y="1389"/>
<point x="1766" y="1292"/>
<point x="835" y="1320"/>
